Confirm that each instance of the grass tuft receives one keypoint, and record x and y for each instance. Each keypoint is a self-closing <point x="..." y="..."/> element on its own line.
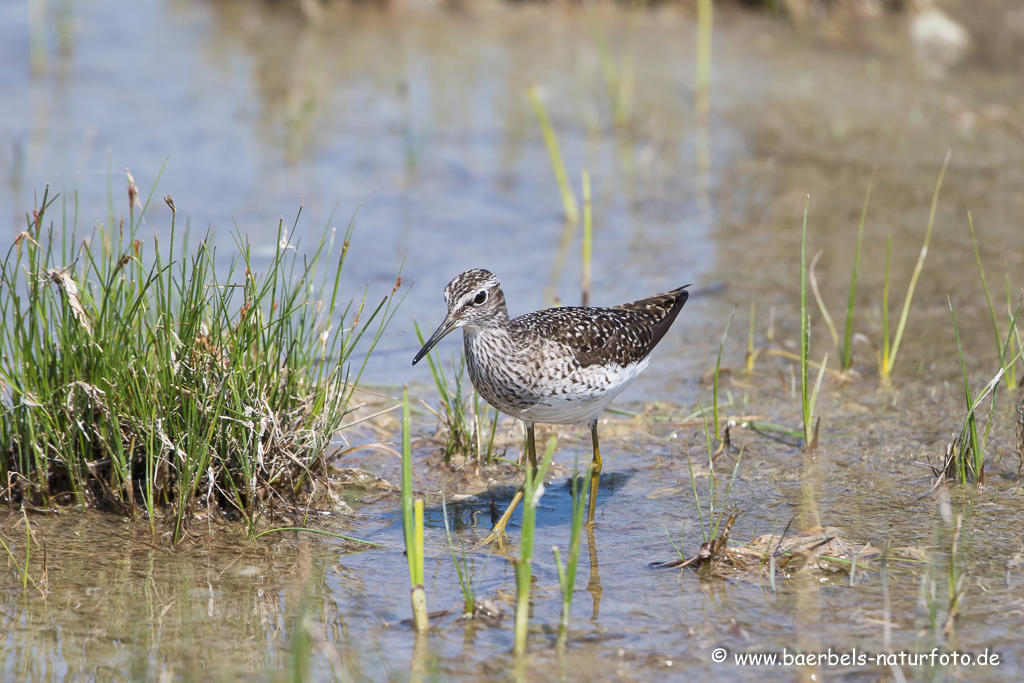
<point x="138" y="381"/>
<point x="966" y="456"/>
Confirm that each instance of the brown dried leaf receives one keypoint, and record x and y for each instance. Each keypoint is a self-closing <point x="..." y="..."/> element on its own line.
<point x="62" y="278"/>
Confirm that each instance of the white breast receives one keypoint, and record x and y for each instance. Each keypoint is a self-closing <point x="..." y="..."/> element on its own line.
<point x="582" y="396"/>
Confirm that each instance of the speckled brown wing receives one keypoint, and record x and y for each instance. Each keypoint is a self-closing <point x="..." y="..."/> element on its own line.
<point x="661" y="310"/>
<point x="624" y="334"/>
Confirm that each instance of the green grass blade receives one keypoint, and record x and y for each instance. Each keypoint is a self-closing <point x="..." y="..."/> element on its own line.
<point x="418" y="538"/>
<point x="984" y="285"/>
<point x="1014" y="333"/>
<point x="569" y="203"/>
<point x="728" y="495"/>
<point x="883" y="366"/>
<point x="970" y="422"/>
<point x="718" y="364"/>
<point x="532" y="488"/>
<point x="702" y="76"/>
<point x="904" y="314"/>
<point x="408" y="526"/>
<point x="461" y="569"/>
<point x="751" y="356"/>
<point x="814" y="398"/>
<point x="846" y="353"/>
<point x="805" y="331"/>
<point x="609" y="69"/>
<point x="588" y="235"/>
<point x="820" y="301"/>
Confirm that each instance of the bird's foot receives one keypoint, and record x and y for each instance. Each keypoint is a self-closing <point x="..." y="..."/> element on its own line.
<point x="498" y="530"/>
<point x="497" y="534"/>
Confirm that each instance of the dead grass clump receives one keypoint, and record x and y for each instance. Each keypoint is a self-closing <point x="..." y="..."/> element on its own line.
<point x="817" y="550"/>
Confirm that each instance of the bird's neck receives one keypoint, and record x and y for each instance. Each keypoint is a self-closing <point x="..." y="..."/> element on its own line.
<point x="485" y="342"/>
<point x="494" y="334"/>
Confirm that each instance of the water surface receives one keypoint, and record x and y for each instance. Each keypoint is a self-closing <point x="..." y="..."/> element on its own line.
<point x="422" y="117"/>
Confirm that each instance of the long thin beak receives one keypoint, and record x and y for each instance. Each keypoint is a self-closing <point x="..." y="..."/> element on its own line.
<point x="446" y="327"/>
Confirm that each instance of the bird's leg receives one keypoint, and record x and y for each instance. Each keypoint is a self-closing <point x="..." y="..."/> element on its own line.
<point x="595" y="474"/>
<point x="498" y="530"/>
<point x="594" y="585"/>
<point x="531" y="447"/>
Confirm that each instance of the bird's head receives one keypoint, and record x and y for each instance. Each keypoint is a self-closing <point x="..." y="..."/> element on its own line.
<point x="474" y="300"/>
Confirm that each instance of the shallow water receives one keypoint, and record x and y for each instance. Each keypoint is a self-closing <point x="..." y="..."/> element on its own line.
<point x="257" y="108"/>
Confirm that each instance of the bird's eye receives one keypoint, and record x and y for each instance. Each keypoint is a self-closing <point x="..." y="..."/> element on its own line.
<point x="480" y="298"/>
